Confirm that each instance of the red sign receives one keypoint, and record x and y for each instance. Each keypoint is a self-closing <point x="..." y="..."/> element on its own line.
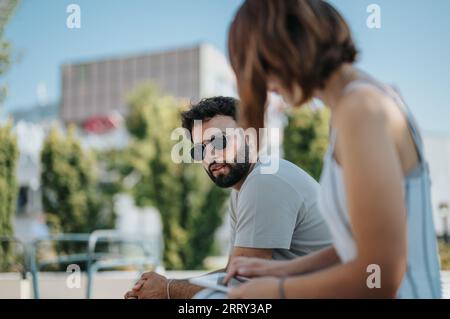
<point x="101" y="124"/>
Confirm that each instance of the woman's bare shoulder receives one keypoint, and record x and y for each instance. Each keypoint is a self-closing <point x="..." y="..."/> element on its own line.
<point x="362" y="105"/>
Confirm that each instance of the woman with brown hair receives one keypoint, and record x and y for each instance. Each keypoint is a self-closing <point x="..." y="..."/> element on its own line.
<point x="375" y="181"/>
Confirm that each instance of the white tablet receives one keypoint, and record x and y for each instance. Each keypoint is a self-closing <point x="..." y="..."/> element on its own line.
<point x="215" y="281"/>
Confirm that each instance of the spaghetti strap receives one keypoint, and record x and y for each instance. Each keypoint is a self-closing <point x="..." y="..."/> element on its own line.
<point x="393" y="93"/>
<point x="413" y="126"/>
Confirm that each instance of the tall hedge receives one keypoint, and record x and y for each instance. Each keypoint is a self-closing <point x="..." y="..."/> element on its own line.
<point x="191" y="206"/>
<point x="8" y="192"/>
<point x="306" y="138"/>
<point x="70" y="196"/>
<point x="7" y="8"/>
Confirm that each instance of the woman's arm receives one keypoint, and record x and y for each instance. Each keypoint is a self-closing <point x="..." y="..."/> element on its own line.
<point x="373" y="183"/>
<point x="257" y="267"/>
<point x="318" y="260"/>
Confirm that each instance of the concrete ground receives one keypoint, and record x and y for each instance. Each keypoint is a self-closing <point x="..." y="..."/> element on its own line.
<point x="107" y="285"/>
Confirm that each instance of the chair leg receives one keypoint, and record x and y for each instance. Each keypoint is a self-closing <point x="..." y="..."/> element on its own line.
<point x="90" y="277"/>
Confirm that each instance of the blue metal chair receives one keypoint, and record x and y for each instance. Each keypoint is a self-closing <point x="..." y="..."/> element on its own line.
<point x="36" y="265"/>
<point x="150" y="248"/>
<point x="151" y="254"/>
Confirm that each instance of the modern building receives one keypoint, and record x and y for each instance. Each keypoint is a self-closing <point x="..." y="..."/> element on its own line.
<point x="97" y="88"/>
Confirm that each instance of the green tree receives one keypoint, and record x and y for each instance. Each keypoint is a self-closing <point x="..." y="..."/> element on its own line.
<point x="8" y="192"/>
<point x="191" y="207"/>
<point x="7" y="8"/>
<point x="306" y="138"/>
<point x="8" y="149"/>
<point x="70" y="196"/>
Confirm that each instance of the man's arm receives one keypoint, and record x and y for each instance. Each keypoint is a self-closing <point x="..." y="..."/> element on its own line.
<point x="250" y="252"/>
<point x="183" y="289"/>
<point x="153" y="285"/>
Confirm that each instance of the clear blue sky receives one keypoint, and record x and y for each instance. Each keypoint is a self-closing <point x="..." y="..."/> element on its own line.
<point x="411" y="50"/>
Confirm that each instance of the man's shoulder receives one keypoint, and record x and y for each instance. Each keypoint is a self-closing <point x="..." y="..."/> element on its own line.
<point x="287" y="176"/>
<point x="286" y="171"/>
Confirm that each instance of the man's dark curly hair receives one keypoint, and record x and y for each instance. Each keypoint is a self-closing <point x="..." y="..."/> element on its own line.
<point x="208" y="108"/>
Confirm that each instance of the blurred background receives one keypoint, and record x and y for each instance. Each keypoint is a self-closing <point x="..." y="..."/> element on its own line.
<point x="90" y="92"/>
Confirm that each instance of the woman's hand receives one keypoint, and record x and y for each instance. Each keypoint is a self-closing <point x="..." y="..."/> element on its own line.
<point x="259" y="288"/>
<point x="255" y="267"/>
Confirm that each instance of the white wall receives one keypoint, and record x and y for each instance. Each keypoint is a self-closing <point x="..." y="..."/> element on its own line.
<point x="437" y="151"/>
<point x="216" y="75"/>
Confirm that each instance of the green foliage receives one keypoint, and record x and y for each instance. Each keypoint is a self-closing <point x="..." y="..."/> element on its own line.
<point x="191" y="206"/>
<point x="444" y="254"/>
<point x="8" y="151"/>
<point x="204" y="224"/>
<point x="8" y="192"/>
<point x="71" y="201"/>
<point x="6" y="10"/>
<point x="306" y="138"/>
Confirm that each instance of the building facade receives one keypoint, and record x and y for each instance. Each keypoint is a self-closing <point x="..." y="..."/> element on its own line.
<point x="100" y="87"/>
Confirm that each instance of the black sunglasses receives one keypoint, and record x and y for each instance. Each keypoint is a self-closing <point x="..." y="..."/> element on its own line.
<point x="218" y="142"/>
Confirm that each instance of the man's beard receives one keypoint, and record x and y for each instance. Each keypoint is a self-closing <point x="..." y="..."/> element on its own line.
<point x="237" y="171"/>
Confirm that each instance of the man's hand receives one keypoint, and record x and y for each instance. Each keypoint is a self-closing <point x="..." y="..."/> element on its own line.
<point x="150" y="286"/>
